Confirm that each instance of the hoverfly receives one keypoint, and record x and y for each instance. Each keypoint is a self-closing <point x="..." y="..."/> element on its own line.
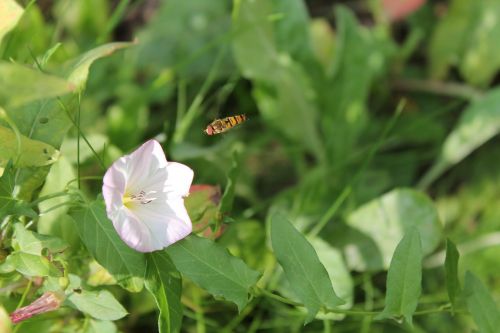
<point x="222" y="125"/>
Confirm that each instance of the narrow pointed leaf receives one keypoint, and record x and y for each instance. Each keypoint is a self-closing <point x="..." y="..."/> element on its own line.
<point x="226" y="203"/>
<point x="101" y="239"/>
<point x="210" y="266"/>
<point x="478" y="123"/>
<point x="308" y="277"/>
<point x="77" y="70"/>
<point x="481" y="305"/>
<point x="164" y="282"/>
<point x="451" y="269"/>
<point x="404" y="279"/>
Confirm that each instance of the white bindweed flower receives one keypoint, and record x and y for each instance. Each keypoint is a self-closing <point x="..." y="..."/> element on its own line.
<point x="144" y="196"/>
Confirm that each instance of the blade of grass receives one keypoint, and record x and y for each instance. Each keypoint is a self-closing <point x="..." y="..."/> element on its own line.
<point x="194" y="108"/>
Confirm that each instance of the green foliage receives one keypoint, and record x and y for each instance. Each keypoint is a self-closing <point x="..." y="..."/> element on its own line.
<point x="373" y="196"/>
<point x="77" y="71"/>
<point x="404" y="279"/>
<point x="481" y="304"/>
<point x="210" y="266"/>
<point x="97" y="233"/>
<point x="100" y="304"/>
<point x="466" y="38"/>
<point x="26" y="152"/>
<point x="34" y="243"/>
<point x="307" y="276"/>
<point x="9" y="205"/>
<point x="478" y="123"/>
<point x="451" y="267"/>
<point x="226" y="202"/>
<point x="29" y="264"/>
<point x="164" y="282"/>
<point x="380" y="224"/>
<point x="27" y="85"/>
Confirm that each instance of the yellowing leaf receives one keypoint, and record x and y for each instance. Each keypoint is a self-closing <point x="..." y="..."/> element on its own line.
<point x="30" y="153"/>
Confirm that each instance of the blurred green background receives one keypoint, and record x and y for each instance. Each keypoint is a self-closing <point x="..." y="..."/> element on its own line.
<point x="320" y="82"/>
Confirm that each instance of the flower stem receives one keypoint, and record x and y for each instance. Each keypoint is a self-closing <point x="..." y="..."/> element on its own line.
<point x="352" y="312"/>
<point x="47" y="197"/>
<point x="25" y="293"/>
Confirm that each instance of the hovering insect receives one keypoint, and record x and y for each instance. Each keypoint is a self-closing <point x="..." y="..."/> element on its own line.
<point x="222" y="125"/>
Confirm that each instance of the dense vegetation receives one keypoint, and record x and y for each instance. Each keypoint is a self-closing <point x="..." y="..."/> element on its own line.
<point x="361" y="195"/>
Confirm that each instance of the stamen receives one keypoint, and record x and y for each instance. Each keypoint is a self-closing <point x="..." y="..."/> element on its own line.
<point x="139" y="197"/>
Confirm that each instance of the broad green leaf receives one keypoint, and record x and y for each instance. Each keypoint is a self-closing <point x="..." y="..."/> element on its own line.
<point x="8" y="204"/>
<point x="481" y="304"/>
<point x="308" y="277"/>
<point x="404" y="279"/>
<point x="77" y="71"/>
<point x="338" y="272"/>
<point x="30" y="265"/>
<point x="478" y="123"/>
<point x="98" y="304"/>
<point x="340" y="276"/>
<point x="100" y="326"/>
<point x="101" y="239"/>
<point x="28" y="153"/>
<point x="164" y="282"/>
<point x="10" y="13"/>
<point x="31" y="242"/>
<point x="226" y="202"/>
<point x="21" y="85"/>
<point x="210" y="266"/>
<point x="56" y="222"/>
<point x="382" y="222"/>
<point x="451" y="269"/>
<point x="46" y="120"/>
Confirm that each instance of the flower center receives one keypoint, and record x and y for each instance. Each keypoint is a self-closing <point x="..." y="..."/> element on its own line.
<point x="142" y="198"/>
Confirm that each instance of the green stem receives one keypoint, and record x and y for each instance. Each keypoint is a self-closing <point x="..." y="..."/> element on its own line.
<point x="25" y="293"/>
<point x="200" y="318"/>
<point x="331" y="211"/>
<point x="263" y="292"/>
<point x="78" y="139"/>
<point x="62" y="204"/>
<point x="440" y="88"/>
<point x="63" y="106"/>
<point x="48" y="197"/>
<point x="348" y="189"/>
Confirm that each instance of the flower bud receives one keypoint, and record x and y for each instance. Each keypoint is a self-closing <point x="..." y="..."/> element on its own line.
<point x="49" y="301"/>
